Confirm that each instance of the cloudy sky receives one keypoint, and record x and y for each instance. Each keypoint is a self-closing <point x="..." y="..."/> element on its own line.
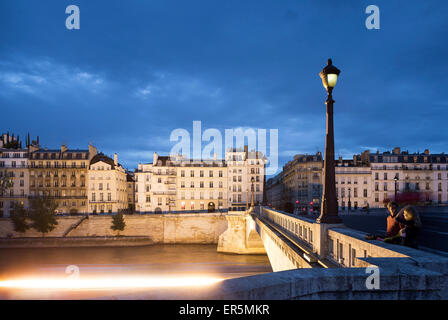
<point x="136" y="70"/>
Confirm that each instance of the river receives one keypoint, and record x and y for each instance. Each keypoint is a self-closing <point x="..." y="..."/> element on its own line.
<point x="165" y="263"/>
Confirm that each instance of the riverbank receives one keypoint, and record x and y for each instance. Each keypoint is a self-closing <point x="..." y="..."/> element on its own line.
<point x="75" y="242"/>
<point x="199" y="228"/>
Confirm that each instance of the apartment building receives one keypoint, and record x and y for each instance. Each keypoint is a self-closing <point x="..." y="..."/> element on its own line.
<point x="14" y="168"/>
<point x="275" y="192"/>
<point x="61" y="174"/>
<point x="130" y="180"/>
<point x="353" y="184"/>
<point x="179" y="184"/>
<point x="246" y="177"/>
<point x="373" y="179"/>
<point x="107" y="185"/>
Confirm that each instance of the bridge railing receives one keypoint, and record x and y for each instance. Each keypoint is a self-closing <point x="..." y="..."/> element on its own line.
<point x="301" y="227"/>
<point x="344" y="246"/>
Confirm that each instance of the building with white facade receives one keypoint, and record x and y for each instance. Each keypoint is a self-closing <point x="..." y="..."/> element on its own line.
<point x="108" y="188"/>
<point x="373" y="179"/>
<point x="178" y="184"/>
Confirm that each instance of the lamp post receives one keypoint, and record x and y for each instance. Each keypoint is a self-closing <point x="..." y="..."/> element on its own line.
<point x="329" y="211"/>
<point x="349" y="203"/>
<point x="252" y="180"/>
<point x="396" y="182"/>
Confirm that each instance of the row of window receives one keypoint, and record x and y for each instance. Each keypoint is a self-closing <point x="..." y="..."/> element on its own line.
<point x="13" y="164"/>
<point x="354" y="194"/>
<point x="67" y="155"/>
<point x="201" y="173"/>
<point x="64" y="184"/>
<point x="59" y="193"/>
<point x="101" y="196"/>
<point x="56" y="164"/>
<point x="201" y="184"/>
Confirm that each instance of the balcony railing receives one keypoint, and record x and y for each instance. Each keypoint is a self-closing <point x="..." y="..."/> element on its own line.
<point x="13" y="167"/>
<point x="6" y="196"/>
<point x="164" y="173"/>
<point x="164" y="192"/>
<point x="59" y="197"/>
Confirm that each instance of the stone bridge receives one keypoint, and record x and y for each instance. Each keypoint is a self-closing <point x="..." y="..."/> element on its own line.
<point x="325" y="261"/>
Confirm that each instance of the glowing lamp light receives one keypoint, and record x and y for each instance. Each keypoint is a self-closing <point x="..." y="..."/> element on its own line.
<point x="329" y="76"/>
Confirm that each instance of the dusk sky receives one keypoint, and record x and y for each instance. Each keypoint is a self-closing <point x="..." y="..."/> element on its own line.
<point x="136" y="70"/>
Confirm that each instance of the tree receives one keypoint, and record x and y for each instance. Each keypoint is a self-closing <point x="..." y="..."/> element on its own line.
<point x="5" y="183"/>
<point x="18" y="217"/>
<point x="118" y="223"/>
<point x="42" y="214"/>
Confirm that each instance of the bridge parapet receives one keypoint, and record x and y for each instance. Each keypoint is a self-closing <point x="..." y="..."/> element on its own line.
<point x="343" y="246"/>
<point x="301" y="227"/>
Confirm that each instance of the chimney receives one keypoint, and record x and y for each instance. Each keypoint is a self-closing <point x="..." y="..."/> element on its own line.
<point x="154" y="160"/>
<point x="396" y="150"/>
<point x="63" y="148"/>
<point x="92" y="151"/>
<point x="214" y="155"/>
<point x="115" y="159"/>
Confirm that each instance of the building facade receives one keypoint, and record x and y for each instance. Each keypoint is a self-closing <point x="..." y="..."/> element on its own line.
<point x="61" y="174"/>
<point x="130" y="180"/>
<point x="353" y="184"/>
<point x="371" y="180"/>
<point x="301" y="184"/>
<point x="178" y="184"/>
<point x="274" y="192"/>
<point x="14" y="169"/>
<point x="107" y="185"/>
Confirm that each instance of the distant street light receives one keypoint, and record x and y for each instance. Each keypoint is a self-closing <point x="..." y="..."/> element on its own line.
<point x="396" y="182"/>
<point x="329" y="211"/>
<point x="349" y="202"/>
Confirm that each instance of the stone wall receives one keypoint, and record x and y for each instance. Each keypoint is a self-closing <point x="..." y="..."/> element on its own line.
<point x="54" y="242"/>
<point x="200" y="228"/>
<point x="240" y="236"/>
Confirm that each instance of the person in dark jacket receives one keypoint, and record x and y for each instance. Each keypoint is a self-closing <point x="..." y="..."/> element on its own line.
<point x="410" y="220"/>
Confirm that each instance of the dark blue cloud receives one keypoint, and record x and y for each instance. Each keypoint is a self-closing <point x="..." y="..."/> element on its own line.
<point x="136" y="70"/>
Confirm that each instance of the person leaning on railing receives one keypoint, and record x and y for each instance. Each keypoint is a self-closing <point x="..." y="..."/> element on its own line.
<point x="393" y="225"/>
<point x="407" y="236"/>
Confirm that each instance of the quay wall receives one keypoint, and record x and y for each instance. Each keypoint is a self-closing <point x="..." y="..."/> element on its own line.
<point x="192" y="228"/>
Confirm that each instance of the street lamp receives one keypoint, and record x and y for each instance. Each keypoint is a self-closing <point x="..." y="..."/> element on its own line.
<point x="329" y="211"/>
<point x="349" y="203"/>
<point x="396" y="182"/>
<point x="252" y="196"/>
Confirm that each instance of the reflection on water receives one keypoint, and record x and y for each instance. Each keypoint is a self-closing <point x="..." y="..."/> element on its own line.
<point x="166" y="261"/>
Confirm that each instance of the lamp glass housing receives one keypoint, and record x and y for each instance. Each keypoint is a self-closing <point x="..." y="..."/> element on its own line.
<point x="331" y="80"/>
<point x="329" y="75"/>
